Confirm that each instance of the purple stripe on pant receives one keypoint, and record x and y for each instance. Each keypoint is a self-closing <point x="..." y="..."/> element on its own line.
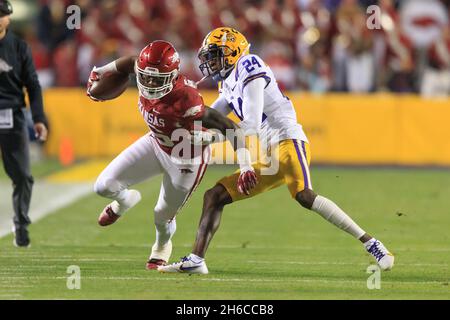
<point x="299" y="156"/>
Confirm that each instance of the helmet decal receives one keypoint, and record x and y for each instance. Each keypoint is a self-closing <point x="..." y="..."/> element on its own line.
<point x="156" y="69"/>
<point x="220" y="51"/>
<point x="175" y="57"/>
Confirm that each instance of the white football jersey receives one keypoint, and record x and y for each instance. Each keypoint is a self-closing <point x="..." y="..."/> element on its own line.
<point x="279" y="119"/>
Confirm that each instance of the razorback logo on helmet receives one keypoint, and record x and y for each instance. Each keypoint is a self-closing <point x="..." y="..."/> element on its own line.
<point x="175" y="57"/>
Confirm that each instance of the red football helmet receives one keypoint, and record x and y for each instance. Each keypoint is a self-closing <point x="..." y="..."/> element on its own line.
<point x="156" y="69"/>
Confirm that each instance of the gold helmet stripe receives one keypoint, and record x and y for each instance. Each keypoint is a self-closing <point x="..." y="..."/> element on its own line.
<point x="233" y="45"/>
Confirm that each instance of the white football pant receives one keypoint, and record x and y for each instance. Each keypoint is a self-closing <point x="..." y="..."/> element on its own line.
<point x="145" y="159"/>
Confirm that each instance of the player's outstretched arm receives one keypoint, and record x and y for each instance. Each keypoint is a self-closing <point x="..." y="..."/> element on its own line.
<point x="126" y="64"/>
<point x="212" y="119"/>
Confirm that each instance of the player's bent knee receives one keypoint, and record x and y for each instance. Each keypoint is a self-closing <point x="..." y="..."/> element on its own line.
<point x="217" y="197"/>
<point x="306" y="198"/>
<point x="106" y="187"/>
<point x="100" y="187"/>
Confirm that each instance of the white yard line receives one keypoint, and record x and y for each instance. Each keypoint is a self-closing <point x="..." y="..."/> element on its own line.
<point x="43" y="259"/>
<point x="282" y="247"/>
<point x="186" y="277"/>
<point x="252" y="247"/>
<point x="262" y="262"/>
<point x="47" y="198"/>
<point x="345" y="263"/>
<point x="84" y="260"/>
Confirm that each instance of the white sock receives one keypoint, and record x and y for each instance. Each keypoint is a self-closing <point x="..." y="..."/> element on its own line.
<point x="195" y="258"/>
<point x="164" y="232"/>
<point x="122" y="196"/>
<point x="124" y="202"/>
<point x="332" y="213"/>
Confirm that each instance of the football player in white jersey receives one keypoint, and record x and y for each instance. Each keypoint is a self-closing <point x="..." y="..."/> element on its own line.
<point x="248" y="88"/>
<point x="170" y="106"/>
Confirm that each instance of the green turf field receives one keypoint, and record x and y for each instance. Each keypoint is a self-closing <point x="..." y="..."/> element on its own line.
<point x="267" y="247"/>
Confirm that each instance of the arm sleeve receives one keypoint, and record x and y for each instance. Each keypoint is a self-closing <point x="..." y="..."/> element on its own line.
<point x="221" y="105"/>
<point x="31" y="82"/>
<point x="252" y="106"/>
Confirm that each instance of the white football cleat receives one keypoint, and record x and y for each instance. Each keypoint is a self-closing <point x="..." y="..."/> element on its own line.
<point x="384" y="258"/>
<point x="186" y="265"/>
<point x="161" y="253"/>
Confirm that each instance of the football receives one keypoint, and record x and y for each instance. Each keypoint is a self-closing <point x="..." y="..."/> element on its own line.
<point x="110" y="86"/>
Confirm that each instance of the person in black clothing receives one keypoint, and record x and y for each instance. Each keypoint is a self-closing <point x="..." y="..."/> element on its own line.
<point x="16" y="72"/>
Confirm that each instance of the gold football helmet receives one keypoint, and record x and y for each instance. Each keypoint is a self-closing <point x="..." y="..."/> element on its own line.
<point x="220" y="51"/>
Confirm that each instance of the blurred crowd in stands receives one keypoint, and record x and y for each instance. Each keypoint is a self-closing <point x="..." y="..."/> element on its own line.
<point x="311" y="45"/>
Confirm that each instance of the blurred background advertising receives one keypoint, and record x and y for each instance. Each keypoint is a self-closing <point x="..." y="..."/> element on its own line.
<point x="381" y="66"/>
